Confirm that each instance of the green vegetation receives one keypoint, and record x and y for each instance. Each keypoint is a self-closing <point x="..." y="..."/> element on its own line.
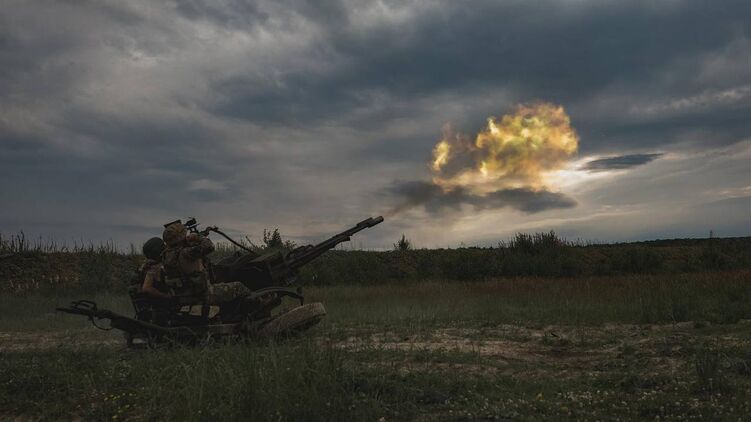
<point x="717" y="298"/>
<point x="300" y="381"/>
<point x="539" y="255"/>
<point x="48" y="266"/>
<point x="429" y="350"/>
<point x="403" y="244"/>
<point x="20" y="244"/>
<point x="714" y="297"/>
<point x="311" y="380"/>
<point x="534" y="329"/>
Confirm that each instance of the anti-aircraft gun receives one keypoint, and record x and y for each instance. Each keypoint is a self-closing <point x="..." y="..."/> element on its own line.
<point x="267" y="275"/>
<point x="278" y="268"/>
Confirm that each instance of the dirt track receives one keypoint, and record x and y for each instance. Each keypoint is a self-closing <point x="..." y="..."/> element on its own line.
<point x="17" y="341"/>
<point x="573" y="347"/>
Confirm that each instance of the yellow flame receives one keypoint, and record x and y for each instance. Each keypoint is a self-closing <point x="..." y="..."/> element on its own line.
<point x="515" y="150"/>
<point x="484" y="168"/>
<point x="440" y="155"/>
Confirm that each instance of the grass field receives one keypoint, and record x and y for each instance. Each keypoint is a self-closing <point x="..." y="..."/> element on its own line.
<point x="51" y="267"/>
<point x="594" y="348"/>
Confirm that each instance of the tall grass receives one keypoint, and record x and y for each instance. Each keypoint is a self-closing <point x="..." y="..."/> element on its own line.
<point x="36" y="312"/>
<point x="294" y="381"/>
<point x="721" y="297"/>
<point x="20" y="244"/>
<point x="717" y="297"/>
<point x="38" y="266"/>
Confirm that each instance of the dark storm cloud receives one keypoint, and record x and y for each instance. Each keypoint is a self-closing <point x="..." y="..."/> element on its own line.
<point x="620" y="162"/>
<point x="558" y="51"/>
<point x="243" y="14"/>
<point x="146" y="110"/>
<point x="411" y="194"/>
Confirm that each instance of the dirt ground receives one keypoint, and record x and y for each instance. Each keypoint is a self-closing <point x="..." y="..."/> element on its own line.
<point x="497" y="346"/>
<point x="637" y="371"/>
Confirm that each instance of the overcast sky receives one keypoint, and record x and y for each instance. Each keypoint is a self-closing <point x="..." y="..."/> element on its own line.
<point x="119" y="116"/>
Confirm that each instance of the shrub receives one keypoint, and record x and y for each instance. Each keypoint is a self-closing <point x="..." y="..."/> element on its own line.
<point x="403" y="244"/>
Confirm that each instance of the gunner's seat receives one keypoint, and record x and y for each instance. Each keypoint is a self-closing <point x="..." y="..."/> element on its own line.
<point x="167" y="312"/>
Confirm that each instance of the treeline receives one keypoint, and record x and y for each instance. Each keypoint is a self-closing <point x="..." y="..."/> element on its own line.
<point x="538" y="255"/>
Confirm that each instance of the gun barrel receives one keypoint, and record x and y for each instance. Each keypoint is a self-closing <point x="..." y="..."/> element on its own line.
<point x="370" y="222"/>
<point x="309" y="253"/>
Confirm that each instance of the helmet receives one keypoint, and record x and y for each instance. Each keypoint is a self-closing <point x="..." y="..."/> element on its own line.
<point x="153" y="248"/>
<point x="174" y="233"/>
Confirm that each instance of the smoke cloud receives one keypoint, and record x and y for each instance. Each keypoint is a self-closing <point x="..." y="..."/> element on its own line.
<point x="505" y="165"/>
<point x="435" y="200"/>
<point x="514" y="151"/>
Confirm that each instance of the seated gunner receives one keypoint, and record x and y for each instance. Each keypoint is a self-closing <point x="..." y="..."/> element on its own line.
<point x="184" y="272"/>
<point x="150" y="273"/>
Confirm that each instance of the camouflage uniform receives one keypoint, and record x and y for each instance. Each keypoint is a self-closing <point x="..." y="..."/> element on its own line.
<point x="185" y="272"/>
<point x="150" y="280"/>
<point x="153" y="279"/>
<point x="147" y="266"/>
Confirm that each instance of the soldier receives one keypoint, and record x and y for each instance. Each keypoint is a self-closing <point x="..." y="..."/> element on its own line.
<point x="185" y="271"/>
<point x="151" y="282"/>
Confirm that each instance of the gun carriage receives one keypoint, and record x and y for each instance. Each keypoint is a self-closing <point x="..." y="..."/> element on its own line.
<point x="270" y="277"/>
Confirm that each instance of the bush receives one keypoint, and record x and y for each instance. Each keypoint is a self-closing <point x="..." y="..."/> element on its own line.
<point x="403" y="244"/>
<point x="537" y="243"/>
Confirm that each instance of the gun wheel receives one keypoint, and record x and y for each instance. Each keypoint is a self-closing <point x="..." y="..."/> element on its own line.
<point x="294" y="321"/>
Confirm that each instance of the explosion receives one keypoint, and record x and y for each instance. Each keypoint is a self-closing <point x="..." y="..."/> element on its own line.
<point x="516" y="151"/>
<point x="512" y="163"/>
